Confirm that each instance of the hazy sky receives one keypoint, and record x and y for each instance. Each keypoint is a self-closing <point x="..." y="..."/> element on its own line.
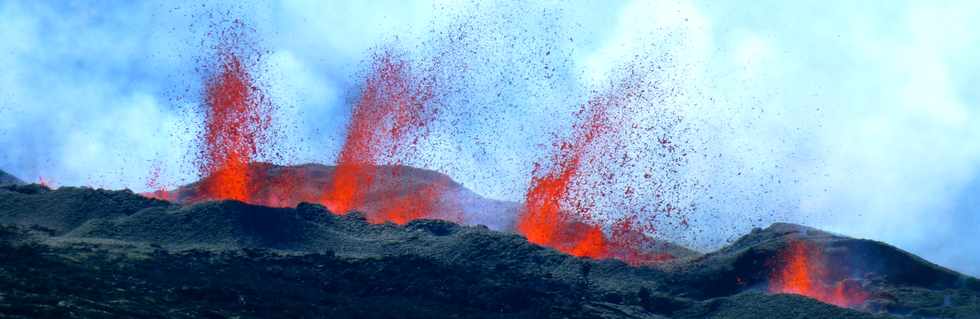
<point x="856" y="117"/>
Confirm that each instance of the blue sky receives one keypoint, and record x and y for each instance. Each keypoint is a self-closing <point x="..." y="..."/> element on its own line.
<point x="856" y="117"/>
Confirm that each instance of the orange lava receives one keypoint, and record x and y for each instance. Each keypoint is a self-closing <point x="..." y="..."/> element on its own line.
<point x="389" y="119"/>
<point x="415" y="205"/>
<point x="802" y="270"/>
<point x="552" y="216"/>
<point x="285" y="189"/>
<point x="237" y="116"/>
<point x="544" y="220"/>
<point x="559" y="212"/>
<point x="229" y="137"/>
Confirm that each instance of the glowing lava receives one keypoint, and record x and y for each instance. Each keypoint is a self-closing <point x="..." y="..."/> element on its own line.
<point x="417" y="203"/>
<point x="237" y="116"/>
<point x="802" y="270"/>
<point x="557" y="215"/>
<point x="388" y="121"/>
<point x="544" y="220"/>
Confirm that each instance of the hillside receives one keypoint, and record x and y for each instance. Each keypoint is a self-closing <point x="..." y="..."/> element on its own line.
<point x="7" y="179"/>
<point x="287" y="186"/>
<point x="79" y="252"/>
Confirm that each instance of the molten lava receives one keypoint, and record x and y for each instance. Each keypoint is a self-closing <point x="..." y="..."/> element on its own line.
<point x="417" y="204"/>
<point x="233" y="122"/>
<point x="555" y="214"/>
<point x="237" y="116"/>
<point x="802" y="270"/>
<point x="388" y="121"/>
<point x="544" y="220"/>
<point x="604" y="189"/>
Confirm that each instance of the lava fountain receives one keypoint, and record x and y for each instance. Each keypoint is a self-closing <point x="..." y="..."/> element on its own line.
<point x="802" y="270"/>
<point x="388" y="121"/>
<point x="237" y="116"/>
<point x="558" y="213"/>
<point x="544" y="220"/>
<point x="618" y="175"/>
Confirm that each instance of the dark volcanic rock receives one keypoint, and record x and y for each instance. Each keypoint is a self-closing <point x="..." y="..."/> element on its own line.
<point x="288" y="186"/>
<point x="758" y="305"/>
<point x="7" y="179"/>
<point x="893" y="277"/>
<point x="67" y="208"/>
<point x="79" y="252"/>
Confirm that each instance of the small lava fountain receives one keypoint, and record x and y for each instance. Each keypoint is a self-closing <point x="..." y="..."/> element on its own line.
<point x="389" y="119"/>
<point x="544" y="220"/>
<point x="559" y="212"/>
<point x="237" y="117"/>
<point x="802" y="270"/>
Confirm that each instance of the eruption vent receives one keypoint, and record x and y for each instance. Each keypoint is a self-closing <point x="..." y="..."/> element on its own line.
<point x="802" y="270"/>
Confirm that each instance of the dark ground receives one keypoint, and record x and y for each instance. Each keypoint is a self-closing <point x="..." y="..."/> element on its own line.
<point x="7" y="179"/>
<point x="84" y="253"/>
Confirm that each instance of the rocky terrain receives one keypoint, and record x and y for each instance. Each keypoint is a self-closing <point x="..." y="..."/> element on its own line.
<point x="87" y="253"/>
<point x="7" y="179"/>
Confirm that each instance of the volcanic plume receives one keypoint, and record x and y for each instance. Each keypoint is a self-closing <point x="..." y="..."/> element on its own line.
<point x="803" y="270"/>
<point x="388" y="121"/>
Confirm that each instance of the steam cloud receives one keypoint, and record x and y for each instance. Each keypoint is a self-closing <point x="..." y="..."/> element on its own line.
<point x="858" y="119"/>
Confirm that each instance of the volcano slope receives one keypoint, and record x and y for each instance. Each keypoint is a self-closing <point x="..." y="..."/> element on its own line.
<point x="7" y="179"/>
<point x="287" y="186"/>
<point x="394" y="187"/>
<point x="86" y="253"/>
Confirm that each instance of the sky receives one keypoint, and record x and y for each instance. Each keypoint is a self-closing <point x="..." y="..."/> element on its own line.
<point x="854" y="117"/>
